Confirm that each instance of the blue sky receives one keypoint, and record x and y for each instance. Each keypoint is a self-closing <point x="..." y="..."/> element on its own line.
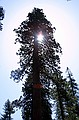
<point x="62" y="14"/>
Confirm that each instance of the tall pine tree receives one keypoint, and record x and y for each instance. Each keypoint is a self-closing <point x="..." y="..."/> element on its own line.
<point x="66" y="97"/>
<point x="73" y="92"/>
<point x="8" y="111"/>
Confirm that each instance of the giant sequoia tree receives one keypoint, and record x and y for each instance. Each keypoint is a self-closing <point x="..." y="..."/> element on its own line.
<point x="48" y="53"/>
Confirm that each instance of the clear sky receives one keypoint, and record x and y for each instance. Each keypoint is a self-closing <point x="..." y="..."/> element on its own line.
<point x="62" y="14"/>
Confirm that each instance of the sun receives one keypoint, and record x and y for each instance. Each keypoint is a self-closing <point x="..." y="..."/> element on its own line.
<point x="40" y="36"/>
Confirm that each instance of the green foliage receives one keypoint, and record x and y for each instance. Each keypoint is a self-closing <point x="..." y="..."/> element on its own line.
<point x="73" y="103"/>
<point x="8" y="110"/>
<point x="27" y="101"/>
<point x="1" y="16"/>
<point x="46" y="105"/>
<point x="65" y="96"/>
<point x="58" y="92"/>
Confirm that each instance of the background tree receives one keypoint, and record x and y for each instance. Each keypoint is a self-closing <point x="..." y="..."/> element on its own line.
<point x="59" y="93"/>
<point x="66" y="97"/>
<point x="8" y="110"/>
<point x="73" y="93"/>
<point x="48" y="52"/>
<point x="1" y="16"/>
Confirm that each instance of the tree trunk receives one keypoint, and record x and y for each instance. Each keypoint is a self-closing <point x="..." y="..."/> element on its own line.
<point x="36" y="108"/>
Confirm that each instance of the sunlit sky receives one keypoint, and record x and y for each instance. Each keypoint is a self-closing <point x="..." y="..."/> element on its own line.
<point x="62" y="14"/>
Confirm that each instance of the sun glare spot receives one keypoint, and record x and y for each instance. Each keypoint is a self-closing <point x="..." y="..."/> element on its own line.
<point x="40" y="36"/>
